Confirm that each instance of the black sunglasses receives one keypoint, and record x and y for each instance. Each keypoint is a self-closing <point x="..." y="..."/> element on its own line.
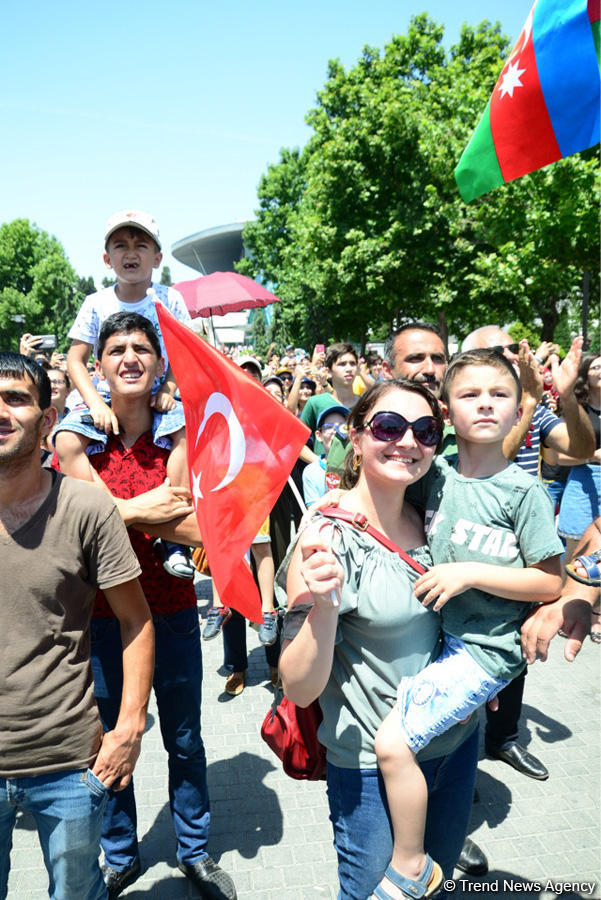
<point x="391" y="426"/>
<point x="513" y="348"/>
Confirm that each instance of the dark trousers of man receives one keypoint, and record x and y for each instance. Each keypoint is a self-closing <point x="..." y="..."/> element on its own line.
<point x="502" y="726"/>
<point x="235" y="657"/>
<point x="177" y="685"/>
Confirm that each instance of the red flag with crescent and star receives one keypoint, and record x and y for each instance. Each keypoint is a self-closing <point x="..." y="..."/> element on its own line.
<point x="242" y="445"/>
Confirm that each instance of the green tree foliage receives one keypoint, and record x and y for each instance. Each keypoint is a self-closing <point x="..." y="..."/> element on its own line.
<point x="518" y="331"/>
<point x="36" y="281"/>
<point x="539" y="235"/>
<point x="365" y="227"/>
<point x="166" y="276"/>
<point x="280" y="192"/>
<point x="259" y="332"/>
<point x="86" y="286"/>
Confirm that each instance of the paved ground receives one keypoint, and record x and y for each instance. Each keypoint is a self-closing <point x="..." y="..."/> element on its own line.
<point x="272" y="834"/>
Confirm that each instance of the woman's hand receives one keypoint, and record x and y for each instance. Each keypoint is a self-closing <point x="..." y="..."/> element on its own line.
<point x="440" y="583"/>
<point x="321" y="571"/>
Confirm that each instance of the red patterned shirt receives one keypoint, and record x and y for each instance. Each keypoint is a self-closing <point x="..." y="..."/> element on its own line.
<point x="127" y="472"/>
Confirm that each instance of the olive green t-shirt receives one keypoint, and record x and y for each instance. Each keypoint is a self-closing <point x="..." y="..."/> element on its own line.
<point x="383" y="634"/>
<point x="505" y="520"/>
<point x="51" y="567"/>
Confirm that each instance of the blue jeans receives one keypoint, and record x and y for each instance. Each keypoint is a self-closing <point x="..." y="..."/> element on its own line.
<point x="177" y="687"/>
<point x="362" y="829"/>
<point x="555" y="491"/>
<point x="67" y="807"/>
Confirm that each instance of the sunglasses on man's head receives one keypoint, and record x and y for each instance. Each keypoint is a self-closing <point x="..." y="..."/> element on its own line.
<point x="513" y="348"/>
<point x="391" y="426"/>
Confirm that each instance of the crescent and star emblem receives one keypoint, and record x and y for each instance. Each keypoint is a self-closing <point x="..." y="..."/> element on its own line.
<point x="219" y="404"/>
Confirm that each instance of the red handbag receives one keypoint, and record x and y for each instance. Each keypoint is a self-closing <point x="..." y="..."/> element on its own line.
<point x="291" y="732"/>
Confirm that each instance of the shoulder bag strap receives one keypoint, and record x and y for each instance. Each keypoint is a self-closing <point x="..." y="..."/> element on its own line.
<point x="359" y="521"/>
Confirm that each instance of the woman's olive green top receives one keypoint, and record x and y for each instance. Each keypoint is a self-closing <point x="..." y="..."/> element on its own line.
<point x="383" y="634"/>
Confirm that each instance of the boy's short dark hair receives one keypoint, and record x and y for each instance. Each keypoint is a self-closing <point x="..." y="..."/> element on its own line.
<point x="335" y="351"/>
<point x="483" y="357"/>
<point x="125" y="323"/>
<point x="15" y="365"/>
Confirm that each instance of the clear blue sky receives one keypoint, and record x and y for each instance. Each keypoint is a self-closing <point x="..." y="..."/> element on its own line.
<point x="176" y="108"/>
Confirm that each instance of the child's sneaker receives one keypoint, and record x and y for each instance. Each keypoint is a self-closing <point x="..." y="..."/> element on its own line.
<point x="176" y="559"/>
<point x="217" y="616"/>
<point x="268" y="631"/>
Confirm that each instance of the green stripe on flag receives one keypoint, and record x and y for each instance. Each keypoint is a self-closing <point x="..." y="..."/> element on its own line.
<point x="596" y="29"/>
<point x="478" y="169"/>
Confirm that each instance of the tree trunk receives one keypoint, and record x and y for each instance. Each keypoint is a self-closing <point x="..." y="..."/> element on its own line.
<point x="549" y="314"/>
<point x="443" y="327"/>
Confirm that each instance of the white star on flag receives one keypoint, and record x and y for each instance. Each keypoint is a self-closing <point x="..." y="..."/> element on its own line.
<point x="196" y="492"/>
<point x="511" y="79"/>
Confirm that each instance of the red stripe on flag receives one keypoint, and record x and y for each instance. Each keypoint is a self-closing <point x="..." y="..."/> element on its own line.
<point x="594" y="10"/>
<point x="521" y="128"/>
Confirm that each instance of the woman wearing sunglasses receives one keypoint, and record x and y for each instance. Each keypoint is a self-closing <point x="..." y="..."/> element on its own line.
<point x="354" y="655"/>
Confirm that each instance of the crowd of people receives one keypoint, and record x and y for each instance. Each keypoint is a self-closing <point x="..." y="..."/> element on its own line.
<point x="471" y="488"/>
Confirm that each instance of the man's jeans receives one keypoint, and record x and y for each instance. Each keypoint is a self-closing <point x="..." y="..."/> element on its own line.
<point x="362" y="829"/>
<point x="177" y="686"/>
<point x="67" y="807"/>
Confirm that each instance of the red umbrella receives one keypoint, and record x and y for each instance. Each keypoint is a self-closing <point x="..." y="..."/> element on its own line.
<point x="223" y="292"/>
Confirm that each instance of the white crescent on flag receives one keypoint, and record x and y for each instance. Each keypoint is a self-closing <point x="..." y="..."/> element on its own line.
<point x="219" y="404"/>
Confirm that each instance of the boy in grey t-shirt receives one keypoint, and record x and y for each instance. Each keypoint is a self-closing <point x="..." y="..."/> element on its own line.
<point x="491" y="533"/>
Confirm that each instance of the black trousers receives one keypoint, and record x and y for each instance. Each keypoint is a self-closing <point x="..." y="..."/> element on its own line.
<point x="234" y="645"/>
<point x="502" y="726"/>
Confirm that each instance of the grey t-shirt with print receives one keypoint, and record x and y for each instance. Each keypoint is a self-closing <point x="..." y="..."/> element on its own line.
<point x="504" y="519"/>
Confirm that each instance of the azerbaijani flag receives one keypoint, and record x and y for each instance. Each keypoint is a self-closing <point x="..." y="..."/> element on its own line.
<point x="546" y="102"/>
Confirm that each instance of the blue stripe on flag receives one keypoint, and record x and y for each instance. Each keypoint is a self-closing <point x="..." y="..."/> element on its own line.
<point x="568" y="72"/>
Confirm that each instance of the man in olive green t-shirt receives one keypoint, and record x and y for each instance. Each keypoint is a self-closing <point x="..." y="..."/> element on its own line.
<point x="60" y="540"/>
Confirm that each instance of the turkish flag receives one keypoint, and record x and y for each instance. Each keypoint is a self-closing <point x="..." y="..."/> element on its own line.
<point x="242" y="445"/>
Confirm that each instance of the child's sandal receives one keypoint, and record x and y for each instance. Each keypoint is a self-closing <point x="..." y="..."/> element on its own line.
<point x="427" y="885"/>
<point x="591" y="564"/>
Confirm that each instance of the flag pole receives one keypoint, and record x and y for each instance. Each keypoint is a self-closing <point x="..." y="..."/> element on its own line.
<point x="297" y="495"/>
<point x="303" y="507"/>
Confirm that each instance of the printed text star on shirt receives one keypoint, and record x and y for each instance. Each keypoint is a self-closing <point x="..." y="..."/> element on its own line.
<point x="511" y="79"/>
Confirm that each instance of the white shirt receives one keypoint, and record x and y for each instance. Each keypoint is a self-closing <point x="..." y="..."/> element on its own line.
<point x="97" y="307"/>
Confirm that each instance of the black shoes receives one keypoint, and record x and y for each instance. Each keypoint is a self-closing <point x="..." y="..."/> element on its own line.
<point x="117" y="881"/>
<point x="212" y="882"/>
<point x="472" y="860"/>
<point x="517" y="756"/>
